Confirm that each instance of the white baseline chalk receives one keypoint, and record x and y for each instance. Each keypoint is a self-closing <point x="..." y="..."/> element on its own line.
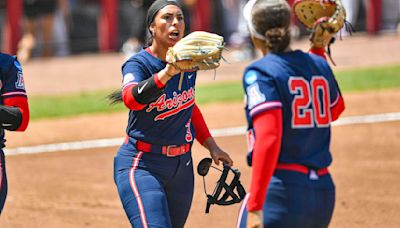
<point x="223" y="132"/>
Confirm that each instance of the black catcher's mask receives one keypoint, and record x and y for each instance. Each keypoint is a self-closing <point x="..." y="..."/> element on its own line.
<point x="230" y="196"/>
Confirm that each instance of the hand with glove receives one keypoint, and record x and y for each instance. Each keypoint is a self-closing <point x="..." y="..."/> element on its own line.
<point x="325" y="18"/>
<point x="196" y="51"/>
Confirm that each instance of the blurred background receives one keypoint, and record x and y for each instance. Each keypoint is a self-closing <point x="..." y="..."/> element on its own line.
<point x="42" y="28"/>
<point x="72" y="52"/>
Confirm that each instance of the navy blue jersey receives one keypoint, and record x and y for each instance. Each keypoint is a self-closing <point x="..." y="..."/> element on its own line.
<point x="304" y="86"/>
<point x="158" y="123"/>
<point x="11" y="82"/>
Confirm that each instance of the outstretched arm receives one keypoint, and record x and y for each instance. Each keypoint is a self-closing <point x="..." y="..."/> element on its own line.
<point x="268" y="131"/>
<point x="137" y="95"/>
<point x="204" y="137"/>
<point x="268" y="128"/>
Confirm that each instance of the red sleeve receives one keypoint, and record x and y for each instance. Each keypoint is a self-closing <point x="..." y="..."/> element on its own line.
<point x="129" y="99"/>
<point x="200" y="126"/>
<point x="337" y="108"/>
<point x="159" y="84"/>
<point x="22" y="104"/>
<point x="318" y="51"/>
<point x="268" y="131"/>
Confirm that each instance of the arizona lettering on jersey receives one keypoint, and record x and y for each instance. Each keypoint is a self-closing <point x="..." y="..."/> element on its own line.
<point x="157" y="122"/>
<point x="173" y="105"/>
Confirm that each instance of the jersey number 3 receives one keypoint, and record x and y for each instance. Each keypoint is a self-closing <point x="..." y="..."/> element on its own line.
<point x="310" y="105"/>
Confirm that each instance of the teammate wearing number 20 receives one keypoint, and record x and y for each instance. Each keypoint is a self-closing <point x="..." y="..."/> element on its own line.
<point x="291" y="99"/>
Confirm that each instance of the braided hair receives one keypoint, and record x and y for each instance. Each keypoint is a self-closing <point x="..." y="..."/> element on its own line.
<point x="271" y="18"/>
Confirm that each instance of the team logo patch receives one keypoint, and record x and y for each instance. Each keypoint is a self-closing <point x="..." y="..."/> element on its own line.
<point x="129" y="77"/>
<point x="250" y="77"/>
<point x="19" y="84"/>
<point x="254" y="96"/>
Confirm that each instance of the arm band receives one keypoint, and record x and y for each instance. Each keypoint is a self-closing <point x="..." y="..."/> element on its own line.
<point x="146" y="91"/>
<point x="10" y="117"/>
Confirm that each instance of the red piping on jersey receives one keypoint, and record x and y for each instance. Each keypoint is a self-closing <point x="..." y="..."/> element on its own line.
<point x="268" y="131"/>
<point x="22" y="104"/>
<point x="129" y="99"/>
<point x="337" y="108"/>
<point x="318" y="51"/>
<point x="200" y="126"/>
<point x="300" y="168"/>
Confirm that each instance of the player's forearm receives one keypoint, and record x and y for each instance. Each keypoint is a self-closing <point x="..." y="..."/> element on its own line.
<point x="200" y="126"/>
<point x="268" y="130"/>
<point x="210" y="144"/>
<point x="137" y="96"/>
<point x="167" y="73"/>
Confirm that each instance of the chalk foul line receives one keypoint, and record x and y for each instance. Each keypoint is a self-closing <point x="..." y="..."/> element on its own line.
<point x="223" y="132"/>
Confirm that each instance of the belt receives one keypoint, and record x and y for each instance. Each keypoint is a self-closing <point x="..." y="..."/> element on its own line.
<point x="168" y="150"/>
<point x="314" y="173"/>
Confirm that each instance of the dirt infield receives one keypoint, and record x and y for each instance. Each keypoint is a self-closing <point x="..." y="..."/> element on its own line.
<point x="76" y="188"/>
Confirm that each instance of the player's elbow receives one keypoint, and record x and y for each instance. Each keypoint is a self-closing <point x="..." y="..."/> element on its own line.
<point x="129" y="100"/>
<point x="14" y="118"/>
<point x="338" y="109"/>
<point x="24" y="124"/>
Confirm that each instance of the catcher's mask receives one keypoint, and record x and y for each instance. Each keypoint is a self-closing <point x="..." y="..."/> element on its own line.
<point x="202" y="170"/>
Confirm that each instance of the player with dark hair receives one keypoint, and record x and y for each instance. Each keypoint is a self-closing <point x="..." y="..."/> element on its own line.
<point x="14" y="110"/>
<point x="153" y="168"/>
<point x="291" y="99"/>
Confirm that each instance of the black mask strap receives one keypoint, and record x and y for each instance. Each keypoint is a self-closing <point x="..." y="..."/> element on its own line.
<point x="203" y="169"/>
<point x="236" y="198"/>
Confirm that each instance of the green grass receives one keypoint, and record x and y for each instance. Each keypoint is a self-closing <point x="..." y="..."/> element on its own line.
<point x="221" y="92"/>
<point x="69" y="105"/>
<point x="369" y="78"/>
<point x="95" y="102"/>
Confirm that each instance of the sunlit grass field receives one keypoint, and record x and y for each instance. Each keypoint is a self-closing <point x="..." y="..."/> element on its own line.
<point x="41" y="107"/>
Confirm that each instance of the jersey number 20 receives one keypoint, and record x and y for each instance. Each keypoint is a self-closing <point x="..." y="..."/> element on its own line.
<point x="310" y="105"/>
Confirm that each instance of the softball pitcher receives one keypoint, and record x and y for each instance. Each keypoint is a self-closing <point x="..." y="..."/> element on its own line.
<point x="14" y="110"/>
<point x="291" y="99"/>
<point x="153" y="168"/>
